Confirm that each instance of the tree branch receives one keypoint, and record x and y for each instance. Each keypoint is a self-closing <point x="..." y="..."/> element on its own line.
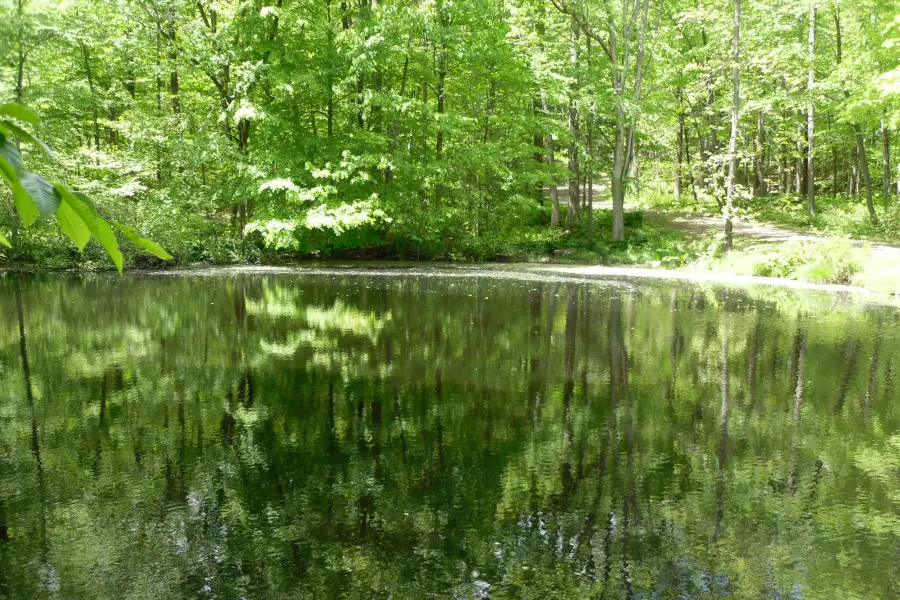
<point x="203" y="14"/>
<point x="582" y="25"/>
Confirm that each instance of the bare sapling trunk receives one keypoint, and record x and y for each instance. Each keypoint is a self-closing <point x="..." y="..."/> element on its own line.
<point x="735" y="114"/>
<point x="573" y="213"/>
<point x="679" y="152"/>
<point x="799" y="166"/>
<point x="761" y="188"/>
<point x="810" y="121"/>
<point x="554" y="188"/>
<point x="886" y="161"/>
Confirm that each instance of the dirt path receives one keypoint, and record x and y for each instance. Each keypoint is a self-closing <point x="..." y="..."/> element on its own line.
<point x="761" y="233"/>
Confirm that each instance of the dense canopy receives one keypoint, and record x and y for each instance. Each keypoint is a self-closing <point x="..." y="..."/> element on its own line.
<point x="229" y="129"/>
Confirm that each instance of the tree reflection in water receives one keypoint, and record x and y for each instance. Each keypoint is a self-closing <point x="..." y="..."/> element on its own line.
<point x="339" y="435"/>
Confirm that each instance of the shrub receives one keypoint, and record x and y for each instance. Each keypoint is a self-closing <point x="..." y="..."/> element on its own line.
<point x="831" y="261"/>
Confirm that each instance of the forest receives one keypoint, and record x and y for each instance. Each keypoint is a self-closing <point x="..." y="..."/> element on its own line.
<point x="232" y="131"/>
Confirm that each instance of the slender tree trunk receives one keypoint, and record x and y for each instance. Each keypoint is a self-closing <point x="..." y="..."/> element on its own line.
<point x="395" y="129"/>
<point x="886" y="160"/>
<point x="735" y="115"/>
<point x="20" y="51"/>
<point x="90" y="77"/>
<point x="810" y="121"/>
<point x="574" y="210"/>
<point x="159" y="83"/>
<point x="174" y="86"/>
<point x="617" y="185"/>
<point x="554" y="190"/>
<point x="539" y="150"/>
<point x="864" y="171"/>
<point x="860" y="140"/>
<point x="834" y="169"/>
<point x="590" y="178"/>
<point x="679" y="151"/>
<point x="799" y="163"/>
<point x="761" y="188"/>
<point x="689" y="164"/>
<point x="442" y="76"/>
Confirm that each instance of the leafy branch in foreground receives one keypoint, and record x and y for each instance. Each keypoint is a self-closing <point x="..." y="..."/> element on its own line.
<point x="35" y="197"/>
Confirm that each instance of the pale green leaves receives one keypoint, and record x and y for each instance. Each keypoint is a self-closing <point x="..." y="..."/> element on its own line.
<point x="72" y="225"/>
<point x="11" y="171"/>
<point x="83" y="215"/>
<point x="17" y="111"/>
<point x="141" y="242"/>
<point x="41" y="192"/>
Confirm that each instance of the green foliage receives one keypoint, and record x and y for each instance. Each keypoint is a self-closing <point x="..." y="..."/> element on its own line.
<point x="35" y="197"/>
<point x="343" y="227"/>
<point x="227" y="129"/>
<point x="832" y="261"/>
<point x="836" y="216"/>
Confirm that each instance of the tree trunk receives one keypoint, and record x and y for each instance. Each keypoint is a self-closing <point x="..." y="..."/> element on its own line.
<point x="395" y="129"/>
<point x="864" y="171"/>
<point x="20" y="52"/>
<point x="554" y="187"/>
<point x="799" y="164"/>
<point x="590" y="178"/>
<point x="689" y="165"/>
<point x="90" y="78"/>
<point x="810" y="121"/>
<point x="554" y="205"/>
<point x="761" y="188"/>
<point x="735" y="115"/>
<point x="574" y="211"/>
<point x="784" y="179"/>
<point x="860" y="141"/>
<point x="539" y="151"/>
<point x="679" y="151"/>
<point x="442" y="76"/>
<point x="617" y="187"/>
<point x="886" y="160"/>
<point x="834" y="169"/>
<point x="174" y="87"/>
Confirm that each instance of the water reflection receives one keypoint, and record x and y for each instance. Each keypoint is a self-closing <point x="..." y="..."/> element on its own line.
<point x="322" y="436"/>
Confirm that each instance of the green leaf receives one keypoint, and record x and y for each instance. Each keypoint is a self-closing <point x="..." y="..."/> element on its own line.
<point x="42" y="192"/>
<point x="25" y="206"/>
<point x="141" y="242"/>
<point x="88" y="203"/>
<point x="72" y="224"/>
<point x="85" y="209"/>
<point x="17" y="111"/>
<point x="107" y="238"/>
<point x="10" y="153"/>
<point x="4" y="241"/>
<point x="23" y="135"/>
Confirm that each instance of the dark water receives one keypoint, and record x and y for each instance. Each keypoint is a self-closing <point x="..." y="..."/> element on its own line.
<point x="365" y="436"/>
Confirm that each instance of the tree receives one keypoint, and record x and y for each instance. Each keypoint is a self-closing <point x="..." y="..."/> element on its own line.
<point x="735" y="117"/>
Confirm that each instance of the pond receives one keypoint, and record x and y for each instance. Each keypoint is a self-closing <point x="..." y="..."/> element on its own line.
<point x="444" y="434"/>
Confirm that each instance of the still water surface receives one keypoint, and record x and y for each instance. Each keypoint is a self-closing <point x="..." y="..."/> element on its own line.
<point x="459" y="435"/>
